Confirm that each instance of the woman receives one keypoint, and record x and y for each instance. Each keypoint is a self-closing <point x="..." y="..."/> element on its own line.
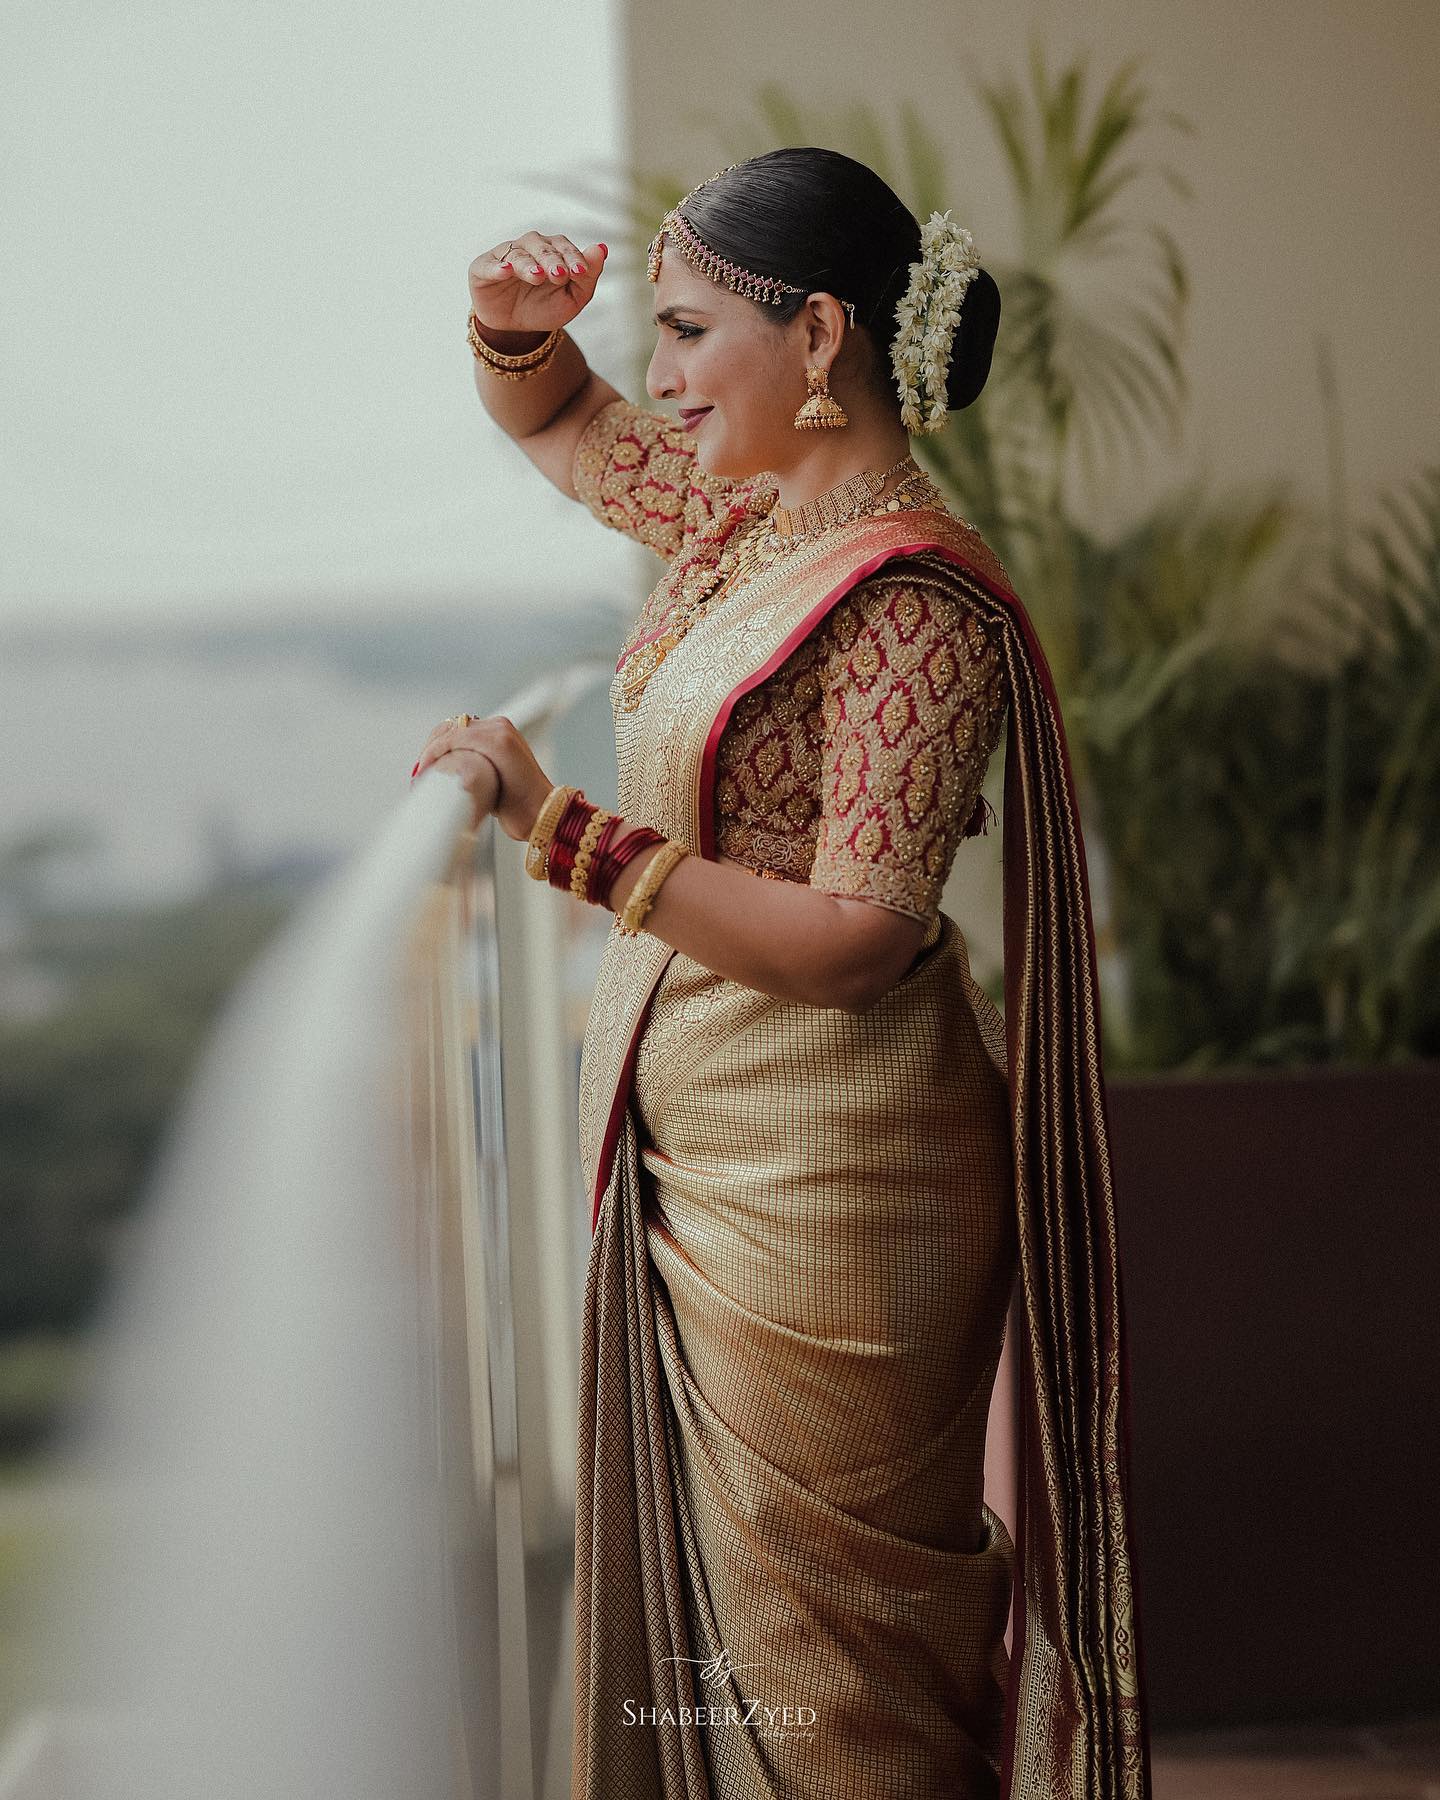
<point x="816" y="1155"/>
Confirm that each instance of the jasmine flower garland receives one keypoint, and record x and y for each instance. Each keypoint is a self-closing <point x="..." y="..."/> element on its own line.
<point x="928" y="317"/>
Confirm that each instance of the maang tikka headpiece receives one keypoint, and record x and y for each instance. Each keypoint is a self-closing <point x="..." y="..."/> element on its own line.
<point x="928" y="314"/>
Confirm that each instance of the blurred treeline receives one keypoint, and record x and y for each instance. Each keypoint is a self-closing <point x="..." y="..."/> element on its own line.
<point x="86" y="1084"/>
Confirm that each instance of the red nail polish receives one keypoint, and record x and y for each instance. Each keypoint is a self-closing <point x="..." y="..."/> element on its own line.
<point x="604" y="249"/>
<point x="417" y="765"/>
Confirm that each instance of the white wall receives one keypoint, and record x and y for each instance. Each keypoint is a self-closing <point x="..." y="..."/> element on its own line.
<point x="1313" y="169"/>
<point x="234" y="369"/>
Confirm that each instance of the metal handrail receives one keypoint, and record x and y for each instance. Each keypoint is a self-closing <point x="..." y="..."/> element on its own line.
<point x="328" y="1469"/>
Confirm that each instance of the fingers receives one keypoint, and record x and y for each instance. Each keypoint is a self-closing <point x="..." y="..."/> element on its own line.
<point x="439" y="743"/>
<point x="446" y="737"/>
<point x="539" y="257"/>
<point x="560" y="260"/>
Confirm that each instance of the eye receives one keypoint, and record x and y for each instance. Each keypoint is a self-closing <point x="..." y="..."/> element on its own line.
<point x="686" y="331"/>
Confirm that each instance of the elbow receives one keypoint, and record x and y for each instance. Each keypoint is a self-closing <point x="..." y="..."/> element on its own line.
<point x="837" y="987"/>
<point x="880" y="951"/>
<point x="858" y="986"/>
<point x="868" y="994"/>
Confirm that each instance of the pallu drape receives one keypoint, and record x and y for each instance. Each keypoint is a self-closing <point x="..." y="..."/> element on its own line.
<point x="807" y="1228"/>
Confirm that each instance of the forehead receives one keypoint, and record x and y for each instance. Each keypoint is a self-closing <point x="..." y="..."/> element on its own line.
<point x="678" y="285"/>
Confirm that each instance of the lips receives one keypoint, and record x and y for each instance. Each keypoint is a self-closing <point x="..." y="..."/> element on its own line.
<point x="691" y="419"/>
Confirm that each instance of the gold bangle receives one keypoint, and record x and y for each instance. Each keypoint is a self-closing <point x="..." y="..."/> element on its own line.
<point x="516" y="367"/>
<point x="642" y="895"/>
<point x="519" y="359"/>
<point x="537" y="848"/>
<point x="585" y="849"/>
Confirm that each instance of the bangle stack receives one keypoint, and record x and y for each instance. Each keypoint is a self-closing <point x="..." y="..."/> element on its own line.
<point x="512" y="368"/>
<point x="573" y="845"/>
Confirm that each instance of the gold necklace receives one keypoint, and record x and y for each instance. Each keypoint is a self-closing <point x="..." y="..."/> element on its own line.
<point x="760" y="549"/>
<point x="849" y="499"/>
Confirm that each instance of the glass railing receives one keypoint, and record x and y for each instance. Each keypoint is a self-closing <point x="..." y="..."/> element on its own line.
<point x="320" y="1518"/>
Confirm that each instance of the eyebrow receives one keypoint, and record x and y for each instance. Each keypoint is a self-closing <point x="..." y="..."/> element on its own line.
<point x="670" y="312"/>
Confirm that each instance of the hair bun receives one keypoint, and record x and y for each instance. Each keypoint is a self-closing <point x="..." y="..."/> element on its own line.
<point x="974" y="344"/>
<point x="940" y="350"/>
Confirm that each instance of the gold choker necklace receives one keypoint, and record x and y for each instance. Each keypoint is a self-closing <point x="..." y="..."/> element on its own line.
<point x="850" y="499"/>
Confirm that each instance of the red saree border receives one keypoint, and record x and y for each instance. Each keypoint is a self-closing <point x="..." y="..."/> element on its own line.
<point x="620" y="1099"/>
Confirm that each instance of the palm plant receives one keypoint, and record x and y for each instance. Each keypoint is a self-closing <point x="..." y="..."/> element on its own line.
<point x="1359" y="924"/>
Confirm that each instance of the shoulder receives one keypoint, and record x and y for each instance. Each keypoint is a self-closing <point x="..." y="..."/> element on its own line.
<point x="909" y="608"/>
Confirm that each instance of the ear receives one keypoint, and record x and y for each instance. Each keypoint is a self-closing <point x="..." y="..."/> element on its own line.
<point x="825" y="327"/>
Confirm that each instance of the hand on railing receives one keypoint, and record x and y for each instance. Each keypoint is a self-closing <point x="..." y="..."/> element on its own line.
<point x="495" y="766"/>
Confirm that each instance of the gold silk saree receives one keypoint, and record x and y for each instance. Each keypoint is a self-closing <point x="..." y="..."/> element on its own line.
<point x="807" y="1225"/>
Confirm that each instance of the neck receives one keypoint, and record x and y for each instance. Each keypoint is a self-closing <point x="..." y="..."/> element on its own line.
<point x="824" y="459"/>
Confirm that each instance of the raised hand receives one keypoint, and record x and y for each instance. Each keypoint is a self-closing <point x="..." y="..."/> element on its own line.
<point x="534" y="282"/>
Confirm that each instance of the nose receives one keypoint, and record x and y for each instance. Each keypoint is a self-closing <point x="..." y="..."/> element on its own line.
<point x="659" y="377"/>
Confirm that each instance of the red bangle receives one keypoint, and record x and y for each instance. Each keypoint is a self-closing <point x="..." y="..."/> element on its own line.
<point x="638" y="838"/>
<point x="569" y="829"/>
<point x="597" y="886"/>
<point x="602" y="873"/>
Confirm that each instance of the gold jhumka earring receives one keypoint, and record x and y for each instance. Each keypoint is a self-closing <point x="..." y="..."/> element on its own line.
<point x="822" y="411"/>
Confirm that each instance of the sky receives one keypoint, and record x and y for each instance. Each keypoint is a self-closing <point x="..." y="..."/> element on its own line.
<point x="233" y="368"/>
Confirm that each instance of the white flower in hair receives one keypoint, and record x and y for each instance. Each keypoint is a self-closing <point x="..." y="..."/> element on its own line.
<point x="928" y="316"/>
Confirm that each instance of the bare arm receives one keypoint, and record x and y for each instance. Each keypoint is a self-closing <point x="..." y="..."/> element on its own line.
<point x="519" y="292"/>
<point x="781" y="937"/>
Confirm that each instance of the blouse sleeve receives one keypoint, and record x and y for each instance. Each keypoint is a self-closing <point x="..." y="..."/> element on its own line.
<point x="914" y="693"/>
<point x="635" y="470"/>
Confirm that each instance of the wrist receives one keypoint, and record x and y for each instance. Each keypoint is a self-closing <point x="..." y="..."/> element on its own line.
<point x="621" y="886"/>
<point x="588" y="850"/>
<point x="508" y="342"/>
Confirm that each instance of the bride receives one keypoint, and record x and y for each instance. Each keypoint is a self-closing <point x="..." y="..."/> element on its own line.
<point x="817" y="1157"/>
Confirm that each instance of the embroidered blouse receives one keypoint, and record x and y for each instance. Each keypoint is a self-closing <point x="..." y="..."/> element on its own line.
<point x="857" y="764"/>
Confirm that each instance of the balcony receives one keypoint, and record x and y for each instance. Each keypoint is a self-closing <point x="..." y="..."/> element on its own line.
<point x="317" y="1517"/>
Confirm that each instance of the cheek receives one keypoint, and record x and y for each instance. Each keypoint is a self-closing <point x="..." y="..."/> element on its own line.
<point x="743" y="379"/>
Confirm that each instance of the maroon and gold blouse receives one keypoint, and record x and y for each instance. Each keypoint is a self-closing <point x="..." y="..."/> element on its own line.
<point x="857" y="764"/>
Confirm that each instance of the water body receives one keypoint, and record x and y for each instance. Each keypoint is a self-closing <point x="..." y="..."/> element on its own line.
<point x="184" y="754"/>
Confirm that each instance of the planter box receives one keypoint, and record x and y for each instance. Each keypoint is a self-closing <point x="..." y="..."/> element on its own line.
<point x="1281" y="1242"/>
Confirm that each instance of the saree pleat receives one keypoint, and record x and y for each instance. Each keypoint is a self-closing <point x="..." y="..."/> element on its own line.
<point x="628" y="1563"/>
<point x="808" y="1225"/>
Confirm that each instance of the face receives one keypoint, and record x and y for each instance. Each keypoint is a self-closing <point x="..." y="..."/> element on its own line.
<point x="714" y="349"/>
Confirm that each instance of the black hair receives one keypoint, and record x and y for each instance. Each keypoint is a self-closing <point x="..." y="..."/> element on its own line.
<point x="828" y="224"/>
